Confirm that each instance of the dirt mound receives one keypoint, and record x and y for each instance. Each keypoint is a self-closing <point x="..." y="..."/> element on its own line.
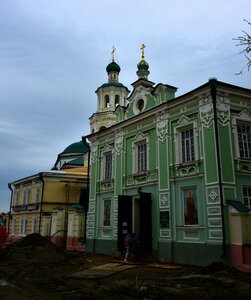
<point x="215" y="267"/>
<point x="33" y="248"/>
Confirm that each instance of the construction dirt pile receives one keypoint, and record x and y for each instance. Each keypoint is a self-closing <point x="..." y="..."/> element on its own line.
<point x="33" y="248"/>
<point x="34" y="268"/>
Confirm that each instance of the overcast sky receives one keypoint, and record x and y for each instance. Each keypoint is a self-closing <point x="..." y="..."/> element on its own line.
<point x="53" y="55"/>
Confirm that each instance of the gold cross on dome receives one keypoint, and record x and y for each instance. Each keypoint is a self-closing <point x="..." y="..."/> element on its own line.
<point x="143" y="51"/>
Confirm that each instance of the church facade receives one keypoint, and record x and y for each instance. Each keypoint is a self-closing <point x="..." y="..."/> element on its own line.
<point x="52" y="203"/>
<point x="171" y="170"/>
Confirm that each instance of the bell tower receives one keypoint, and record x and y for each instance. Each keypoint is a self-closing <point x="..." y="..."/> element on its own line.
<point x="109" y="95"/>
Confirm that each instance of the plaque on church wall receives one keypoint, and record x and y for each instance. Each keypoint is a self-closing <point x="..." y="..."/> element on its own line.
<point x="164" y="219"/>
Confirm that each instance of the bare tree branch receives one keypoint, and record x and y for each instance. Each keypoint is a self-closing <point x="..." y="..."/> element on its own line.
<point x="245" y="41"/>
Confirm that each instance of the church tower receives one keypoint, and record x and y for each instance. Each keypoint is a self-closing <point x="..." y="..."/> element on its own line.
<point x="110" y="95"/>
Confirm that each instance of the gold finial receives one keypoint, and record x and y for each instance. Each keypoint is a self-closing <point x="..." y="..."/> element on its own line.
<point x="143" y="52"/>
<point x="113" y="50"/>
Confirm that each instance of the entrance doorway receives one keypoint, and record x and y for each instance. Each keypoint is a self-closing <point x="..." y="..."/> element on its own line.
<point x="135" y="216"/>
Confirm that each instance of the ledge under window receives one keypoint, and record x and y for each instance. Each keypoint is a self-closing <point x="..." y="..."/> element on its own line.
<point x="142" y="173"/>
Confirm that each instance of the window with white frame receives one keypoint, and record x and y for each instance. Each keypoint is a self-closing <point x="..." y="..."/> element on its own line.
<point x="107" y="212"/>
<point x="24" y="196"/>
<point x="247" y="196"/>
<point x="108" y="166"/>
<point x="33" y="226"/>
<point x="13" y="226"/>
<point x="28" y="195"/>
<point x="36" y="194"/>
<point x="16" y="195"/>
<point x="141" y="157"/>
<point x="140" y="152"/>
<point x="187" y="145"/>
<point x="244" y="140"/>
<point x="23" y="226"/>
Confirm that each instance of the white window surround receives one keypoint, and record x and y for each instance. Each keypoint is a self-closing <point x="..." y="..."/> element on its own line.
<point x="13" y="226"/>
<point x="108" y="166"/>
<point x="15" y="197"/>
<point x="183" y="124"/>
<point x="106" y="212"/>
<point x="36" y="194"/>
<point x="138" y="140"/>
<point x="244" y="139"/>
<point x="26" y="195"/>
<point x="143" y="101"/>
<point x="187" y="145"/>
<point x="246" y="191"/>
<point x="243" y="117"/>
<point x="107" y="151"/>
<point x="34" y="222"/>
<point x="23" y="226"/>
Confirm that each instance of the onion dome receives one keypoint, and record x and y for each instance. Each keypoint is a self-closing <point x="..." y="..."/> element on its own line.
<point x="113" y="67"/>
<point x="143" y="66"/>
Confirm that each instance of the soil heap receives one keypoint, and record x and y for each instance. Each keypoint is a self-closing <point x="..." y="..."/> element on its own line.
<point x="33" y="248"/>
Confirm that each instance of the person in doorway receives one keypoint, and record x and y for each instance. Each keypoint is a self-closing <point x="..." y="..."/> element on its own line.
<point x="128" y="246"/>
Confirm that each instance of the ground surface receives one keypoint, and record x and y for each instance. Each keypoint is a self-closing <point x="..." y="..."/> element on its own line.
<point x="34" y="268"/>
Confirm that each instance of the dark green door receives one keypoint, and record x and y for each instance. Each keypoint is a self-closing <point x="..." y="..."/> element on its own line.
<point x="146" y="223"/>
<point x="124" y="219"/>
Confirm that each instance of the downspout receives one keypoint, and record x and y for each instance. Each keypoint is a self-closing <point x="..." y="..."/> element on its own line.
<point x="65" y="233"/>
<point x="11" y="198"/>
<point x="41" y="201"/>
<point x="88" y="183"/>
<point x="213" y="91"/>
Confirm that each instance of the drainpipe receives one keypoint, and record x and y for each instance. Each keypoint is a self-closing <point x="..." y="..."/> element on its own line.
<point x="41" y="202"/>
<point x="88" y="182"/>
<point x="11" y="199"/>
<point x="65" y="234"/>
<point x="213" y="91"/>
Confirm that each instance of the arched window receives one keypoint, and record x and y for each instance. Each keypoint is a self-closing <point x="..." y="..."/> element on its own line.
<point x="107" y="101"/>
<point x="116" y="100"/>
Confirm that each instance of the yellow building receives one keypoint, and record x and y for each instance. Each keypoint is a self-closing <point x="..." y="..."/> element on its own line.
<point x="53" y="203"/>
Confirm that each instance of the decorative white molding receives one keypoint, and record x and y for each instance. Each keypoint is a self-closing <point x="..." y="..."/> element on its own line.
<point x="164" y="201"/>
<point x="223" y="110"/>
<point x="107" y="148"/>
<point x="119" y="138"/>
<point x="245" y="115"/>
<point x="161" y="127"/>
<point x="139" y="137"/>
<point x="213" y="210"/>
<point x="214" y="222"/>
<point x="165" y="233"/>
<point x="215" y="234"/>
<point x="94" y="154"/>
<point x="183" y="121"/>
<point x="213" y="195"/>
<point x="206" y="114"/>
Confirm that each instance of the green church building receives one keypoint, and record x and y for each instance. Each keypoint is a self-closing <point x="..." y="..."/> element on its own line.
<point x="175" y="171"/>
